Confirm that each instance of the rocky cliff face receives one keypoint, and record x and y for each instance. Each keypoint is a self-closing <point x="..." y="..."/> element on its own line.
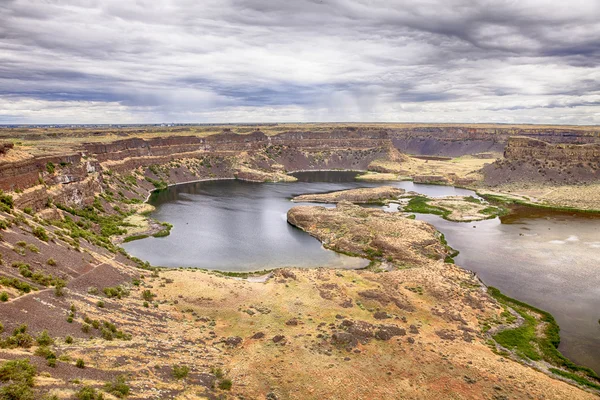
<point x="458" y="141"/>
<point x="75" y="179"/>
<point x="532" y="160"/>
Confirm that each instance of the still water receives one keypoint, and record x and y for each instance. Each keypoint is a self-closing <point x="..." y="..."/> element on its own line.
<point x="233" y="225"/>
<point x="548" y="259"/>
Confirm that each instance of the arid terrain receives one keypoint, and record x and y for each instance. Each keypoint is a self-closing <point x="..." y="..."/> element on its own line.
<point x="80" y="317"/>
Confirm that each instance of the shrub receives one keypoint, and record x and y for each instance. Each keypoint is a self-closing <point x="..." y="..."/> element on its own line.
<point x="100" y="304"/>
<point x="44" y="339"/>
<point x="58" y="289"/>
<point x="50" y="167"/>
<point x="118" y="387"/>
<point x="40" y="233"/>
<point x="6" y="202"/>
<point x="3" y="296"/>
<point x="69" y="340"/>
<point x="148" y="295"/>
<point x="44" y="351"/>
<point x="19" y="374"/>
<point x="51" y="262"/>
<point x="117" y="291"/>
<point x="225" y="384"/>
<point x="180" y="372"/>
<point x="28" y="210"/>
<point x="88" y="393"/>
<point x="85" y="328"/>
<point x="79" y="363"/>
<point x="107" y="334"/>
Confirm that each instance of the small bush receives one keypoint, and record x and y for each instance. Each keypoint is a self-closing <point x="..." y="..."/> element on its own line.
<point x="225" y="384"/>
<point x="19" y="375"/>
<point x="80" y="363"/>
<point x="118" y="387"/>
<point x="51" y="262"/>
<point x="107" y="334"/>
<point x="3" y="296"/>
<point x="88" y="393"/>
<point x="50" y="167"/>
<point x="44" y="339"/>
<point x="28" y="210"/>
<point x="40" y="233"/>
<point x="58" y="289"/>
<point x="6" y="202"/>
<point x="69" y="340"/>
<point x="100" y="304"/>
<point x="85" y="328"/>
<point x="148" y="295"/>
<point x="180" y="372"/>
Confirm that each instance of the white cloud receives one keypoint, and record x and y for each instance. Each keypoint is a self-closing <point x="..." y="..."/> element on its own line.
<point x="533" y="61"/>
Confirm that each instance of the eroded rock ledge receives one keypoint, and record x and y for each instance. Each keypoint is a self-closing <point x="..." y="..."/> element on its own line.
<point x="371" y="233"/>
<point x="380" y="194"/>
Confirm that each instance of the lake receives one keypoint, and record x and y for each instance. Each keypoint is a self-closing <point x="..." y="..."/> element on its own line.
<point x="545" y="258"/>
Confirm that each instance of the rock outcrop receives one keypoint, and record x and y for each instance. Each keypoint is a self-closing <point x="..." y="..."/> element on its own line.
<point x="370" y="233"/>
<point x="534" y="161"/>
<point x="377" y="195"/>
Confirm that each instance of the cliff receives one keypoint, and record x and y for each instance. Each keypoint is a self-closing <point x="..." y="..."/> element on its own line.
<point x="529" y="160"/>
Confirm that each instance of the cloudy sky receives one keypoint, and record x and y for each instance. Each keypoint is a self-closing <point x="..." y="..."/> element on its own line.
<point x="129" y="61"/>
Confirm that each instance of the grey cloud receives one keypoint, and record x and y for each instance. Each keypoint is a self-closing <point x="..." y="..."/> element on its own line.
<point x="299" y="60"/>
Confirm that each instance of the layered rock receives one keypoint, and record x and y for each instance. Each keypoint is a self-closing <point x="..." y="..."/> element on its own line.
<point x="534" y="161"/>
<point x="379" y="194"/>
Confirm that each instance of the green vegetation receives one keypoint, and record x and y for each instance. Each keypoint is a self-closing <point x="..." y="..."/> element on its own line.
<point x="6" y="202"/>
<point x="505" y="200"/>
<point x="44" y="339"/>
<point x="419" y="204"/>
<point x="134" y="237"/>
<point x="18" y="376"/>
<point x="45" y="352"/>
<point x="88" y="393"/>
<point x="147" y="295"/>
<point x="118" y="387"/>
<point x="225" y="384"/>
<point x="472" y="199"/>
<point x="50" y="167"/>
<point x="18" y="284"/>
<point x="19" y="338"/>
<point x="180" y="372"/>
<point x="575" y="377"/>
<point x="164" y="232"/>
<point x="117" y="291"/>
<point x="40" y="233"/>
<point x="526" y="341"/>
<point x="3" y="296"/>
<point x="79" y="363"/>
<point x="159" y="185"/>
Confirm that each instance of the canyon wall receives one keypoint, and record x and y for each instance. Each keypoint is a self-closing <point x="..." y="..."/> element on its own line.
<point x="459" y="141"/>
<point x="535" y="161"/>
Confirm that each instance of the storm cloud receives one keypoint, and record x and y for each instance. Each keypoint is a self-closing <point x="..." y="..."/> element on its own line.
<point x="107" y="61"/>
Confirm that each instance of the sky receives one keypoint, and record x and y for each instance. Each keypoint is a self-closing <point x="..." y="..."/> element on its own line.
<point x="228" y="61"/>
